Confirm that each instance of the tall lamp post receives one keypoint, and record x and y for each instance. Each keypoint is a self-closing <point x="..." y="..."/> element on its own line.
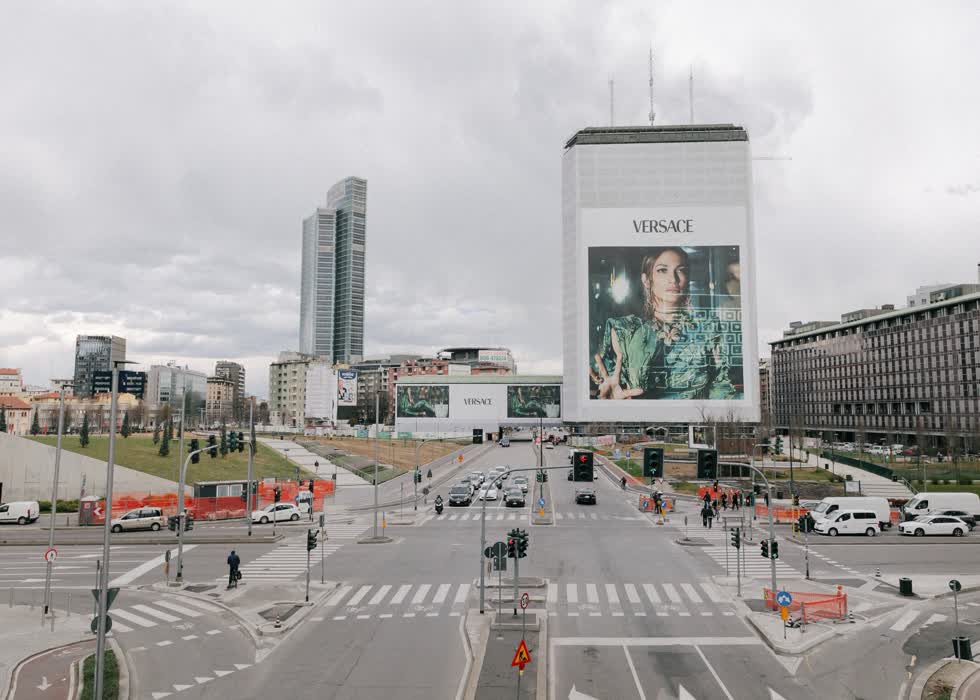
<point x="54" y="493"/>
<point x="772" y="534"/>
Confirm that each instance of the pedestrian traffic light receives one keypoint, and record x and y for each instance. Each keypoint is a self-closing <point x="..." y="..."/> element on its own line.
<point x="583" y="470"/>
<point x="241" y="441"/>
<point x="232" y="441"/>
<point x="765" y="549"/>
<point x="310" y="540"/>
<point x="736" y="538"/>
<point x="276" y="494"/>
<point x="774" y="550"/>
<point x="212" y="446"/>
<point x="544" y="475"/>
<point x="312" y="481"/>
<point x="195" y="446"/>
<point x="653" y="462"/>
<point x="707" y="464"/>
<point x="511" y="548"/>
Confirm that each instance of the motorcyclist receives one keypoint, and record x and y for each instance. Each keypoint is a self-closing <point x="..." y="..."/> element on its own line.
<point x="438" y="503"/>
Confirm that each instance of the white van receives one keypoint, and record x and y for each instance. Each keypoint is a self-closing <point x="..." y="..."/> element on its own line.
<point x="20" y="512"/>
<point x="925" y="503"/>
<point x="832" y="504"/>
<point x="849" y="522"/>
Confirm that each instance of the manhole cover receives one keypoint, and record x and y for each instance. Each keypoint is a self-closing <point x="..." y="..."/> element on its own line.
<point x="199" y="588"/>
<point x="283" y="612"/>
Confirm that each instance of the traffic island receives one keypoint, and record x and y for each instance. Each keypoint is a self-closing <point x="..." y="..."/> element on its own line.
<point x="789" y="640"/>
<point x="498" y="677"/>
<point x="380" y="539"/>
<point x="947" y="678"/>
<point x="542" y="514"/>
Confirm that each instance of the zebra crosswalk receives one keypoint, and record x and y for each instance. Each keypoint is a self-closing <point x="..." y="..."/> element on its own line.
<point x="385" y="601"/>
<point x="752" y="565"/>
<point x="496" y="515"/>
<point x="167" y="611"/>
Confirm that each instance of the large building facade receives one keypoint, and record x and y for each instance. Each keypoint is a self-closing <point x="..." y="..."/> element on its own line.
<point x="895" y="375"/>
<point x="166" y="384"/>
<point x="333" y="275"/>
<point x="95" y="353"/>
<point x="235" y="373"/>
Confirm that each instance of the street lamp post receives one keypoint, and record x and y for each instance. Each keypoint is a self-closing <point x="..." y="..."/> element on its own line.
<point x="249" y="507"/>
<point x="181" y="475"/>
<point x="54" y="496"/>
<point x="377" y="439"/>
<point x="772" y="535"/>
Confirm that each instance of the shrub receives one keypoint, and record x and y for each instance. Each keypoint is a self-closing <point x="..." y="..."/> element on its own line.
<point x="64" y="506"/>
<point x="966" y="482"/>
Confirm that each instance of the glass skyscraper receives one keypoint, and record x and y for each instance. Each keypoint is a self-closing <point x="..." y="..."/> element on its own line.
<point x="332" y="288"/>
<point x="95" y="353"/>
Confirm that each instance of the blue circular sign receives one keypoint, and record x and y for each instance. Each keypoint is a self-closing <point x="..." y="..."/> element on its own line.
<point x="784" y="598"/>
<point x="541" y="502"/>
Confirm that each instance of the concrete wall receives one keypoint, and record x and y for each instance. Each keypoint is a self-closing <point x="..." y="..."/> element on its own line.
<point x="27" y="470"/>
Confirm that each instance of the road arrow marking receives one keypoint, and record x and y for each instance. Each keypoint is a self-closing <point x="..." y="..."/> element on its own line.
<point x="157" y="696"/>
<point x="44" y="683"/>
<point x="202" y="679"/>
<point x="576" y="695"/>
<point x="221" y="674"/>
<point x="239" y="667"/>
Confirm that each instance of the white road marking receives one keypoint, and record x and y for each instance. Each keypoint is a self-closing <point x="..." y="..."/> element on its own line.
<point x="164" y="643"/>
<point x="904" y="621"/>
<point x="571" y="592"/>
<point x="611" y="593"/>
<point x="691" y="593"/>
<point x="441" y="593"/>
<point x="147" y="610"/>
<point x="338" y="595"/>
<point x="652" y="593"/>
<point x="636" y="678"/>
<point x="356" y="598"/>
<point x="143" y="568"/>
<point x="631" y="594"/>
<point x="400" y="595"/>
<point x="461" y="593"/>
<point x="380" y="595"/>
<point x="421" y="593"/>
<point x="591" y="593"/>
<point x="714" y="594"/>
<point x="141" y="621"/>
<point x="207" y="607"/>
<point x="654" y="641"/>
<point x="177" y="608"/>
<point x="713" y="673"/>
<point x="671" y="592"/>
<point x="552" y="595"/>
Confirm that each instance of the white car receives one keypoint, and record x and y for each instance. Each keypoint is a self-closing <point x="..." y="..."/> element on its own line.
<point x="277" y="512"/>
<point x="934" y="525"/>
<point x="488" y="493"/>
<point x="849" y="522"/>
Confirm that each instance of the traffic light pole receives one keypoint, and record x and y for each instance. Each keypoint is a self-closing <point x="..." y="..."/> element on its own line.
<point x="181" y="475"/>
<point x="517" y="558"/>
<point x="249" y="505"/>
<point x="54" y="500"/>
<point x="307" y="574"/>
<point x="772" y="534"/>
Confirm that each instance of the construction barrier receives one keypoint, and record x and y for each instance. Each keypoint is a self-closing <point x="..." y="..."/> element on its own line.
<point x="646" y="504"/>
<point x="781" y="514"/>
<point x="812" y="606"/>
<point x="208" y="508"/>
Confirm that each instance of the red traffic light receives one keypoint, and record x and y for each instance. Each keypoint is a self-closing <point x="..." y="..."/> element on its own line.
<point x="582" y="458"/>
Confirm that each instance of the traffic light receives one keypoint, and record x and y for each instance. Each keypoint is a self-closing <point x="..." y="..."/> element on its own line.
<point x="212" y="446"/>
<point x="241" y="441"/>
<point x="312" y="481"/>
<point x="544" y="475"/>
<point x="736" y="538"/>
<point x="653" y="462"/>
<point x="417" y="476"/>
<point x="522" y="545"/>
<point x="310" y="540"/>
<point x="774" y="550"/>
<point x="195" y="445"/>
<point x="756" y="489"/>
<point x="778" y="445"/>
<point x="765" y="549"/>
<point x="276" y="494"/>
<point x="583" y="466"/>
<point x="796" y="499"/>
<point x="707" y="464"/>
<point x="232" y="441"/>
<point x="511" y="548"/>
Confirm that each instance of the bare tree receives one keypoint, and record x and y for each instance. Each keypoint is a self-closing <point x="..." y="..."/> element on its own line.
<point x="137" y="414"/>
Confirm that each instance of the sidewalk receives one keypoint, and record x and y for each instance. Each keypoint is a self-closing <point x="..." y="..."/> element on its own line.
<point x="303" y="457"/>
<point x="22" y="636"/>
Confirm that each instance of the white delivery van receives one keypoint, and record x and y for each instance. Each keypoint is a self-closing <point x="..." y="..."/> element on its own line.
<point x="857" y="521"/>
<point x="20" y="512"/>
<point x="925" y="503"/>
<point x="832" y="504"/>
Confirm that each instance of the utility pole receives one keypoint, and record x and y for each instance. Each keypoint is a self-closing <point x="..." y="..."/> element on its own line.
<point x="377" y="395"/>
<point x="107" y="532"/>
<point x="182" y="471"/>
<point x="54" y="498"/>
<point x="249" y="506"/>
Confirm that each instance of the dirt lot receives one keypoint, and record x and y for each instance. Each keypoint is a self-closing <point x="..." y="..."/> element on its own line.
<point x="398" y="453"/>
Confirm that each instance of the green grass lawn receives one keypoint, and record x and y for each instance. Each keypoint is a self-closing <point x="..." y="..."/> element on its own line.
<point x="972" y="488"/>
<point x="138" y="452"/>
<point x="110" y="677"/>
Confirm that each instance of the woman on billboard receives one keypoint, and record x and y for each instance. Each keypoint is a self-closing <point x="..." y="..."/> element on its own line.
<point x="672" y="351"/>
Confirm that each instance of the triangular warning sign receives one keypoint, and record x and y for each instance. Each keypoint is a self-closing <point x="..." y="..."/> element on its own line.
<point x="521" y="656"/>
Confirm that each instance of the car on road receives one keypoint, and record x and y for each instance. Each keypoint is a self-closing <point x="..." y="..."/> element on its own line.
<point x="460" y="495"/>
<point x="277" y="512"/>
<point x="477" y="478"/>
<point x="465" y="481"/>
<point x="849" y="522"/>
<point x="970" y="520"/>
<point x="140" y="519"/>
<point x="585" y="494"/>
<point x="934" y="525"/>
<point x="513" y="497"/>
<point x="520" y="482"/>
<point x="549" y="446"/>
<point x="831" y="505"/>
<point x="488" y="493"/>
<point x="20" y="512"/>
<point x="505" y="442"/>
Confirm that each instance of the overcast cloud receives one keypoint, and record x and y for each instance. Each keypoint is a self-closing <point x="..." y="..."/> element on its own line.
<point x="158" y="160"/>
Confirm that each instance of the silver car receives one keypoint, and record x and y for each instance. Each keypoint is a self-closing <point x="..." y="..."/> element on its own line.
<point x="140" y="519"/>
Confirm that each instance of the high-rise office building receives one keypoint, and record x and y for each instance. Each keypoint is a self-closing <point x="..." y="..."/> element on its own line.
<point x="95" y="353"/>
<point x="333" y="272"/>
<point x="235" y="373"/>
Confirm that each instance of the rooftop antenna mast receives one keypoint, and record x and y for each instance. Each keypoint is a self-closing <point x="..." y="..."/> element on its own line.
<point x="612" y="102"/>
<point x="652" y="113"/>
<point x="690" y="92"/>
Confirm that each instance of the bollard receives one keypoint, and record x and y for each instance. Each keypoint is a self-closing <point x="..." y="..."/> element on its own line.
<point x="278" y="622"/>
<point x="68" y="606"/>
<point x="850" y="616"/>
<point x="878" y="571"/>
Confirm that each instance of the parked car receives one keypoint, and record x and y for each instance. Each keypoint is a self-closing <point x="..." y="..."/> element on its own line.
<point x="849" y="522"/>
<point x="934" y="525"/>
<point x="460" y="495"/>
<point x="832" y="504"/>
<point x="585" y="494"/>
<point x="505" y="442"/>
<point x="962" y="515"/>
<point x="520" y="482"/>
<point x="277" y="512"/>
<point x="488" y="493"/>
<point x="513" y="497"/>
<point x="140" y="519"/>
<point x="934" y="503"/>
<point x="20" y="512"/>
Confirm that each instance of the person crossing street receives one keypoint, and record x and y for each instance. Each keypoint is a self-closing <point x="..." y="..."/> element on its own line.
<point x="234" y="561"/>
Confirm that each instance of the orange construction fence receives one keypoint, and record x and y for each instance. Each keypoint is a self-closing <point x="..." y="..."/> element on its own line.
<point x="646" y="504"/>
<point x="812" y="606"/>
<point x="215" y="507"/>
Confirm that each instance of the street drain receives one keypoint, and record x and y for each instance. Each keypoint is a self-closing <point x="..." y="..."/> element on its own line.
<point x="283" y="612"/>
<point x="199" y="588"/>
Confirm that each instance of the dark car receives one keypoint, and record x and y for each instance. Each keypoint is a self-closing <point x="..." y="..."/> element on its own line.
<point x="513" y="497"/>
<point x="460" y="495"/>
<point x="969" y="519"/>
<point x="585" y="495"/>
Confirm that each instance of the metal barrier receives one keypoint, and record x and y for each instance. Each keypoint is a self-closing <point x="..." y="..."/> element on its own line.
<point x="811" y="605"/>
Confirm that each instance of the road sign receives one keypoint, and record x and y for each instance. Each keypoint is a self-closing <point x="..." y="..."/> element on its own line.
<point x="784" y="598"/>
<point x="95" y="624"/>
<point x="525" y="599"/>
<point x="954" y="585"/>
<point x="50" y="555"/>
<point x="130" y="382"/>
<point x="541" y="502"/>
<point x="499" y="549"/>
<point x="110" y="596"/>
<point x="522" y="656"/>
<point x="784" y="613"/>
<point x="488" y="552"/>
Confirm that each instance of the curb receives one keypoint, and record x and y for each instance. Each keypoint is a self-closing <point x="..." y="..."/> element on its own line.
<point x="963" y="681"/>
<point x="122" y="663"/>
<point x="822" y="541"/>
<point x="482" y="625"/>
<point x="689" y="543"/>
<point x="242" y="539"/>
<point x="920" y="681"/>
<point x="795" y="649"/>
<point x="295" y="620"/>
<point x="15" y="669"/>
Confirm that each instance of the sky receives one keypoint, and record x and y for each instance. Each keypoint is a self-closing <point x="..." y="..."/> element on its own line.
<point x="158" y="161"/>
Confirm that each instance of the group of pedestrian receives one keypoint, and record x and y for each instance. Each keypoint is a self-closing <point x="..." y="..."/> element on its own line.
<point x="716" y="499"/>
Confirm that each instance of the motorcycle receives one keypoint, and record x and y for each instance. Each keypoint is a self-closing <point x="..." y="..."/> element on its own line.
<point x="439" y="506"/>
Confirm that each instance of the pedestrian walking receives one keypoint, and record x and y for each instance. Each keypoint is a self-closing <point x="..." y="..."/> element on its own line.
<point x="707" y="499"/>
<point x="724" y="501"/>
<point x="234" y="561"/>
<point x="711" y="514"/>
<point x="765" y="496"/>
<point x="704" y="514"/>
